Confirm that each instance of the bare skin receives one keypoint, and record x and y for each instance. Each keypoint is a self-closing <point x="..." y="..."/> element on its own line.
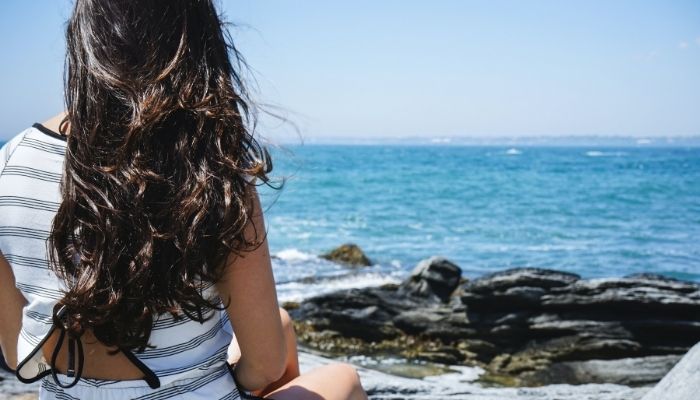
<point x="12" y="302"/>
<point x="268" y="363"/>
<point x="335" y="381"/>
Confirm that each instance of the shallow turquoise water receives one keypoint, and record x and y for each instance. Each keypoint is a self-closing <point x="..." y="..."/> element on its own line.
<point x="593" y="211"/>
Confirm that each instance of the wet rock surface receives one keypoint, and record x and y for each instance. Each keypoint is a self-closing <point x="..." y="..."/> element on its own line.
<point x="524" y="326"/>
<point x="348" y="254"/>
<point x="435" y="278"/>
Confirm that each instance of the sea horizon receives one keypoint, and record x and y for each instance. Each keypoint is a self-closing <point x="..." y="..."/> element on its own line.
<point x="545" y="141"/>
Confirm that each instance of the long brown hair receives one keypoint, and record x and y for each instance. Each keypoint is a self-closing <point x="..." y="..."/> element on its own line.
<point x="160" y="138"/>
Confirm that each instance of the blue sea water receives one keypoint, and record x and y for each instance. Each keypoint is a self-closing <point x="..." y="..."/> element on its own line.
<point x="594" y="211"/>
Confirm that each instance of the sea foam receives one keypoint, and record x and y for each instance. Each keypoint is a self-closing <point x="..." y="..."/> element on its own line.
<point x="300" y="290"/>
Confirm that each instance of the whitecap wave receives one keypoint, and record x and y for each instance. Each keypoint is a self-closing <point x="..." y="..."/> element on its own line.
<point x="513" y="152"/>
<point x="554" y="247"/>
<point x="596" y="153"/>
<point x="293" y="254"/>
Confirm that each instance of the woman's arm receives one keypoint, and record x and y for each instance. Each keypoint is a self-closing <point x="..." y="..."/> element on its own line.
<point x="249" y="287"/>
<point x="11" y="304"/>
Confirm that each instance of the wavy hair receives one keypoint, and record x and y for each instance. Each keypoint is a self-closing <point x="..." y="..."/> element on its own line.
<point x="160" y="140"/>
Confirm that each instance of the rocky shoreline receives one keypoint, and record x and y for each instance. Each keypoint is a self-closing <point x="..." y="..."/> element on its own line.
<point x="523" y="326"/>
<point x="382" y="386"/>
<point x="522" y="333"/>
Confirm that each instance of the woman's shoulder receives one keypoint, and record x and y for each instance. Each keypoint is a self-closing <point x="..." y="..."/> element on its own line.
<point x="32" y="148"/>
<point x="37" y="132"/>
<point x="12" y="142"/>
<point x="9" y="147"/>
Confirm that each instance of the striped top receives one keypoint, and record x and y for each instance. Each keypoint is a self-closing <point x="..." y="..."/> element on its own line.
<point x="31" y="165"/>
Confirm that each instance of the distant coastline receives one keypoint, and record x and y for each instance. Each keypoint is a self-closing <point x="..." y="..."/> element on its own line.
<point x="525" y="141"/>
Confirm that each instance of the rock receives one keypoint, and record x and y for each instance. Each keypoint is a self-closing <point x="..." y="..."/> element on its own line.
<point x="378" y="321"/>
<point x="524" y="326"/>
<point x="433" y="278"/>
<point x="558" y="319"/>
<point x="348" y="254"/>
<point x="12" y="389"/>
<point x="630" y="294"/>
<point x="519" y="277"/>
<point x="415" y="307"/>
<point x="290" y="305"/>
<point x="520" y="287"/>
<point x="360" y="313"/>
<point x="645" y="309"/>
<point x="682" y="382"/>
<point x="647" y="370"/>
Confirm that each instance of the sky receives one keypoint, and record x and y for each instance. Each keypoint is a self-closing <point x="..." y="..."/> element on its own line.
<point x="429" y="69"/>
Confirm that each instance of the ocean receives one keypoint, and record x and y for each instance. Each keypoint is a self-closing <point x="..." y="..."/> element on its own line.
<point x="596" y="211"/>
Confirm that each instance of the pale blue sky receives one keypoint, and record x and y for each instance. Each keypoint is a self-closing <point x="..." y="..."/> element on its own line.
<point x="381" y="68"/>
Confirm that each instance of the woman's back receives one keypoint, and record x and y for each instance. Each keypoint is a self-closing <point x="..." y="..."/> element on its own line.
<point x="30" y="174"/>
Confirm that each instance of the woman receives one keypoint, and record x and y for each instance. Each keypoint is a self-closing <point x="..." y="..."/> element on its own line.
<point x="131" y="234"/>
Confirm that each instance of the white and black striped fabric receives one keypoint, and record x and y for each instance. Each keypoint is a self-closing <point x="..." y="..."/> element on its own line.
<point x="189" y="358"/>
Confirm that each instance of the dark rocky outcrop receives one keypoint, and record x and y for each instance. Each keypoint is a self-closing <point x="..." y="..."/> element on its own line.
<point x="525" y="326"/>
<point x="348" y="254"/>
<point x="626" y="371"/>
<point x="435" y="278"/>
